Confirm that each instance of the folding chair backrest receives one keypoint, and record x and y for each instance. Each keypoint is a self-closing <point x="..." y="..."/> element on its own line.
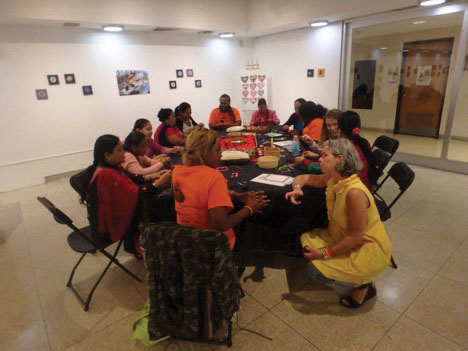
<point x="78" y="183"/>
<point x="387" y="144"/>
<point x="402" y="175"/>
<point x="59" y="216"/>
<point x="382" y="159"/>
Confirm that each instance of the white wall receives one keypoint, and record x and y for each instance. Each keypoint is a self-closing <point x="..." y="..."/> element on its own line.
<point x="42" y="138"/>
<point x="287" y="56"/>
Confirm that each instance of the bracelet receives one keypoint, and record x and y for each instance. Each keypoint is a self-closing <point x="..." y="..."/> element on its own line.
<point x="330" y="252"/>
<point x="297" y="186"/>
<point x="250" y="209"/>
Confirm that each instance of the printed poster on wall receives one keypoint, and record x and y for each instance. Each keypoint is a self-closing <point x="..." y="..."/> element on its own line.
<point x="424" y="75"/>
<point x="253" y="86"/>
<point x="133" y="82"/>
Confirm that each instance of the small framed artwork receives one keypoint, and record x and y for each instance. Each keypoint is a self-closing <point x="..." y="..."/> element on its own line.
<point x="310" y="73"/>
<point x="53" y="79"/>
<point x="189" y="72"/>
<point x="179" y="73"/>
<point x="87" y="90"/>
<point x="70" y="78"/>
<point x="198" y="83"/>
<point x="41" y="94"/>
<point x="321" y="72"/>
<point x="172" y="84"/>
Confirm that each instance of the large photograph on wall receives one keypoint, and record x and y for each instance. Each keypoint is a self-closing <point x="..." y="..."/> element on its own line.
<point x="133" y="82"/>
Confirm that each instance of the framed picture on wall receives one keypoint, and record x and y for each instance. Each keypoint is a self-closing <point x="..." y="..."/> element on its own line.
<point x="310" y="73"/>
<point x="172" y="84"/>
<point x="189" y="72"/>
<point x="198" y="83"/>
<point x="180" y="73"/>
<point x="41" y="94"/>
<point x="53" y="79"/>
<point x="132" y="82"/>
<point x="321" y="72"/>
<point x="70" y="78"/>
<point x="87" y="90"/>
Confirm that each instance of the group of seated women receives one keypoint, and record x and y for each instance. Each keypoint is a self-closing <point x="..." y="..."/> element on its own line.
<point x="345" y="256"/>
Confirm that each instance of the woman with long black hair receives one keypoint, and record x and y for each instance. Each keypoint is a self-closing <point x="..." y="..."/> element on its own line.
<point x="113" y="199"/>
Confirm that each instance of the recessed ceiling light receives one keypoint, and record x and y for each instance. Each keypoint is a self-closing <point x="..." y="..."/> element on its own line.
<point x="226" y="35"/>
<point x="383" y="48"/>
<point x="419" y="22"/>
<point x="431" y="2"/>
<point x="321" y="23"/>
<point x="113" y="28"/>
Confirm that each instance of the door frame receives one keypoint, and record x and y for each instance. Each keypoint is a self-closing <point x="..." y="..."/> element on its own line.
<point x="458" y="61"/>
<point x="400" y="87"/>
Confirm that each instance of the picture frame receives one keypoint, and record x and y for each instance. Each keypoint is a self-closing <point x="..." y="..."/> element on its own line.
<point x="53" y="79"/>
<point x="69" y="78"/>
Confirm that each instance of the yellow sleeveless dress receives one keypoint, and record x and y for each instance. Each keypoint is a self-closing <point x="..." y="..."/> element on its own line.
<point x="363" y="263"/>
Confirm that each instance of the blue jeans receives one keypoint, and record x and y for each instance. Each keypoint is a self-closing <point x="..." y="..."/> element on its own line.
<point x="341" y="288"/>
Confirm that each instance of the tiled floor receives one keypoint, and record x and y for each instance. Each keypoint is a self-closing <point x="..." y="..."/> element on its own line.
<point x="424" y="146"/>
<point x="422" y="305"/>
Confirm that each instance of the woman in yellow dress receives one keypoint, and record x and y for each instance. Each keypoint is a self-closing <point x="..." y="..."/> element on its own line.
<point x="354" y="248"/>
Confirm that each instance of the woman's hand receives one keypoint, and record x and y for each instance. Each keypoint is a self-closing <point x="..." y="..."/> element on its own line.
<point x="256" y="201"/>
<point x="285" y="127"/>
<point x="307" y="139"/>
<point x="165" y="178"/>
<point x="294" y="195"/>
<point x="244" y="197"/>
<point x="310" y="154"/>
<point x="312" y="254"/>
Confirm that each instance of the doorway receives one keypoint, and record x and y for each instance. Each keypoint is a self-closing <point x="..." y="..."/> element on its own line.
<point x="423" y="81"/>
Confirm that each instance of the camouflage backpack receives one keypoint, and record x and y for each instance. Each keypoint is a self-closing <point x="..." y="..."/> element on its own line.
<point x="193" y="283"/>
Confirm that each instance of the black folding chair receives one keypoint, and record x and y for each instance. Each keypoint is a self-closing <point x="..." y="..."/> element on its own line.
<point x="403" y="176"/>
<point x="382" y="158"/>
<point x="81" y="240"/>
<point x="387" y="144"/>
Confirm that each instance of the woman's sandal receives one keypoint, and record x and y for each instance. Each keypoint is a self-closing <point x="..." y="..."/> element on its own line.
<point x="349" y="302"/>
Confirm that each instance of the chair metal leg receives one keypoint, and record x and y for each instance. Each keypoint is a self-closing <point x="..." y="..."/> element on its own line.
<point x="392" y="263"/>
<point x="229" y="336"/>
<point x="69" y="283"/>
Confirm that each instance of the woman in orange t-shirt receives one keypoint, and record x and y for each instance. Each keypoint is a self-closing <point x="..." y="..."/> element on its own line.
<point x="202" y="198"/>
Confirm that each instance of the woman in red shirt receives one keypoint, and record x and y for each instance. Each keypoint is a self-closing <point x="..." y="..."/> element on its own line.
<point x="167" y="134"/>
<point x="264" y="117"/>
<point x="349" y="123"/>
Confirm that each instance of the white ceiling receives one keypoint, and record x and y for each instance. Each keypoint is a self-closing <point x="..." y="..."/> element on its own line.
<point x="249" y="18"/>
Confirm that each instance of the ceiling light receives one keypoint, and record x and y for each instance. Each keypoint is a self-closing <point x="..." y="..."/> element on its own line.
<point x="431" y="2"/>
<point x="419" y="22"/>
<point x="321" y="23"/>
<point x="384" y="48"/>
<point x="226" y="35"/>
<point x="113" y="28"/>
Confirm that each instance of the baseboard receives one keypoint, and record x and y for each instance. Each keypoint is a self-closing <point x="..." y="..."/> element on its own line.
<point x="384" y="130"/>
<point x="58" y="176"/>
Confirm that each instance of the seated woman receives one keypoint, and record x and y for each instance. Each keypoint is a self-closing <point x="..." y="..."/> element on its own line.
<point x="137" y="163"/>
<point x="331" y="131"/>
<point x="167" y="134"/>
<point x="184" y="120"/>
<point x="154" y="150"/>
<point x="349" y="124"/>
<point x="295" y="119"/>
<point x="202" y="198"/>
<point x="313" y="119"/>
<point x="354" y="248"/>
<point x="112" y="198"/>
<point x="264" y="117"/>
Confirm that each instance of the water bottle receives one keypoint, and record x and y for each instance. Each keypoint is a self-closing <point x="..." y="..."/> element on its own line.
<point x="296" y="148"/>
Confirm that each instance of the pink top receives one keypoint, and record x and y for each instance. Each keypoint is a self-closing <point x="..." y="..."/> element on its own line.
<point x="264" y="121"/>
<point x="154" y="148"/>
<point x="142" y="165"/>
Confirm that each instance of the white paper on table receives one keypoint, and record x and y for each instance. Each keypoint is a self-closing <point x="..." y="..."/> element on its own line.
<point x="284" y="143"/>
<point x="273" y="179"/>
<point x="273" y="135"/>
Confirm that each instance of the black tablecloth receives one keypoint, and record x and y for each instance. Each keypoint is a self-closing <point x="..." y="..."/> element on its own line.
<point x="280" y="220"/>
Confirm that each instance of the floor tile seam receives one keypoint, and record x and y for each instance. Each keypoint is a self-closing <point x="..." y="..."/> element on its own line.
<point x="388" y="330"/>
<point x="435" y="331"/>
<point x="294" y="329"/>
<point x="46" y="328"/>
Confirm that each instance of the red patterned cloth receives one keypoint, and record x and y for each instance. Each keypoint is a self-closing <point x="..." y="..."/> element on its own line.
<point x="226" y="143"/>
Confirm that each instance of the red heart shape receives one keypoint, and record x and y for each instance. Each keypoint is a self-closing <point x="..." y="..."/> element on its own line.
<point x="261" y="77"/>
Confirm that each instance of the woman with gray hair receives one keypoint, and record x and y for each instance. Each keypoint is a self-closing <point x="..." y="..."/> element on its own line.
<point x="354" y="248"/>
